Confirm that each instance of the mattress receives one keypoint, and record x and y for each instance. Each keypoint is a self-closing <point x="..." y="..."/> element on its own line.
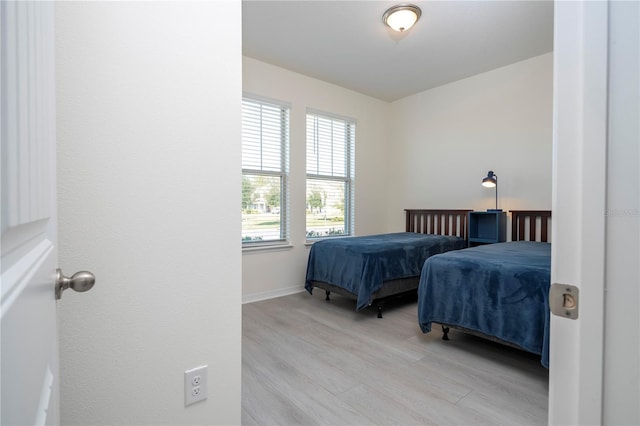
<point x="499" y="290"/>
<point x="360" y="265"/>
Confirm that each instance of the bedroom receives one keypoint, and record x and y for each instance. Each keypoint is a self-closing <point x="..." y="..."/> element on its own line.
<point x="496" y="120"/>
<point x="502" y="116"/>
<point x="137" y="85"/>
<point x="435" y="145"/>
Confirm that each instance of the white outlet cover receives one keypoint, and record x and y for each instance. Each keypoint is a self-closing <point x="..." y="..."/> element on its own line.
<point x="192" y="395"/>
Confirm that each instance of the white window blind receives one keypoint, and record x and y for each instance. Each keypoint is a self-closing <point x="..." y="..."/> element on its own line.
<point x="265" y="143"/>
<point x="330" y="176"/>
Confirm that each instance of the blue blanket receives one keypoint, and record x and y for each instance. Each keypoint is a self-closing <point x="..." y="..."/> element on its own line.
<point x="501" y="290"/>
<point x="361" y="264"/>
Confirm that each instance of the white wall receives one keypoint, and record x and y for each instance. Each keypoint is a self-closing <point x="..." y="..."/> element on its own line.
<point x="444" y="141"/>
<point x="148" y="102"/>
<point x="272" y="273"/>
<point x="621" y="381"/>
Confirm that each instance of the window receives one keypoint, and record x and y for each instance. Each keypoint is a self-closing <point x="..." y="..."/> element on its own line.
<point x="265" y="143"/>
<point x="330" y="175"/>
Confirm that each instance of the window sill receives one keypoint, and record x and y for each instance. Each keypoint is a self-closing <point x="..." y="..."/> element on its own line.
<point x="309" y="243"/>
<point x="266" y="247"/>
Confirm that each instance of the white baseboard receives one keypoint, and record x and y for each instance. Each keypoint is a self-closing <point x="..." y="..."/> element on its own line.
<point x="270" y="294"/>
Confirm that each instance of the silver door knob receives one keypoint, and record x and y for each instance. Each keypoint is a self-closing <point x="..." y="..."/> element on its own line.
<point x="80" y="281"/>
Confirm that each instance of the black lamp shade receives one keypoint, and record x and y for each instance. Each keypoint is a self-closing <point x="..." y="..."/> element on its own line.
<point x="491" y="180"/>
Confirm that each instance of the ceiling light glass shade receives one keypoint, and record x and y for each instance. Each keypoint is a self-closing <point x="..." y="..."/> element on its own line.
<point x="491" y="180"/>
<point x="402" y="17"/>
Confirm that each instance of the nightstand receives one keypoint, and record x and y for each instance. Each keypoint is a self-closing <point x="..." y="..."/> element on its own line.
<point x="487" y="227"/>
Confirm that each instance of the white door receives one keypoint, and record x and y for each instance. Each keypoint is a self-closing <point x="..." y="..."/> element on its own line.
<point x="580" y="89"/>
<point x="29" y="394"/>
<point x="593" y="377"/>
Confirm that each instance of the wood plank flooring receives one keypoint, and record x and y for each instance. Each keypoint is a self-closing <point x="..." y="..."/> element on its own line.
<point x="310" y="362"/>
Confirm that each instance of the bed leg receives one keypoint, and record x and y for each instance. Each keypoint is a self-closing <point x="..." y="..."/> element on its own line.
<point x="445" y="333"/>
<point x="327" y="292"/>
<point x="379" y="310"/>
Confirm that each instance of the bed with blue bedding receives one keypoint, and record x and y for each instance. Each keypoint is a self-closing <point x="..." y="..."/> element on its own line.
<point x="374" y="267"/>
<point x="497" y="291"/>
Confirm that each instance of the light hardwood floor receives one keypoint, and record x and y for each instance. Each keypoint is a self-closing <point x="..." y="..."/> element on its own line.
<point x="309" y="362"/>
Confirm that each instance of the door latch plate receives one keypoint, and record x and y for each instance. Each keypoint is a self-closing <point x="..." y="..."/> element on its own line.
<point x="563" y="300"/>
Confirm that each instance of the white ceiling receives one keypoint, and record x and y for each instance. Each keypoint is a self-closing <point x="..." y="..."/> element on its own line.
<point x="346" y="43"/>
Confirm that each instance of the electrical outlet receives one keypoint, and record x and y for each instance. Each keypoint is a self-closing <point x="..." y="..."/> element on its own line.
<point x="195" y="380"/>
<point x="195" y="385"/>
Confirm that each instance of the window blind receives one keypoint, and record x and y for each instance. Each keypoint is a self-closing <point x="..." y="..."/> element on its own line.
<point x="264" y="129"/>
<point x="265" y="142"/>
<point x="328" y="142"/>
<point x="330" y="175"/>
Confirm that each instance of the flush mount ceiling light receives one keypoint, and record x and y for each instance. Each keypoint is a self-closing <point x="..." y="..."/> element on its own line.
<point x="401" y="17"/>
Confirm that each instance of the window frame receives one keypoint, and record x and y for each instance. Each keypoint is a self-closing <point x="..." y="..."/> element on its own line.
<point x="283" y="173"/>
<point x="348" y="179"/>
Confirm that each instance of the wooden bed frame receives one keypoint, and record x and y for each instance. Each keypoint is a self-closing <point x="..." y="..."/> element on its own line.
<point x="441" y="222"/>
<point x="421" y="221"/>
<point x="538" y="230"/>
<point x="518" y="223"/>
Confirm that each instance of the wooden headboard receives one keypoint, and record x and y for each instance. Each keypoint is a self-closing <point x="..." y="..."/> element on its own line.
<point x="519" y="219"/>
<point x="441" y="222"/>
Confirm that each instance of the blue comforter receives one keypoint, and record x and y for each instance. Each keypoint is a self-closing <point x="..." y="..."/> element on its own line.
<point x="361" y="264"/>
<point x="501" y="290"/>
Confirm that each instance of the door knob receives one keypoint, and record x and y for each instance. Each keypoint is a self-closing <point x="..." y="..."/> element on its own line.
<point x="80" y="281"/>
